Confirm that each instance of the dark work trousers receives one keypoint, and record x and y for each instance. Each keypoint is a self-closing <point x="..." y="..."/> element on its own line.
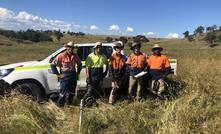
<point x="67" y="84"/>
<point x="94" y="88"/>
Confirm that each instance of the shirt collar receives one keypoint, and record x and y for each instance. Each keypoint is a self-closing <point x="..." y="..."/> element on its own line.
<point x="137" y="53"/>
<point x="118" y="55"/>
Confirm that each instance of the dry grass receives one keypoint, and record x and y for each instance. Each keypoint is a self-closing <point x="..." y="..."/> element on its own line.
<point x="193" y="105"/>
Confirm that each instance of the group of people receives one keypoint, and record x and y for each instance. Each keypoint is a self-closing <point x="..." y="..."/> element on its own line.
<point x="158" y="68"/>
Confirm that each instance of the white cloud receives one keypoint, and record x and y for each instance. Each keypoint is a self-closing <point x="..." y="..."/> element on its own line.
<point x="114" y="28"/>
<point x="150" y="33"/>
<point x="76" y="26"/>
<point x="8" y="19"/>
<point x="129" y="30"/>
<point x="94" y="27"/>
<point x="172" y="35"/>
<point x="85" y="27"/>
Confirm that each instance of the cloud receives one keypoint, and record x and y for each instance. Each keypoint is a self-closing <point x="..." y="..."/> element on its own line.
<point x="94" y="27"/>
<point x="85" y="27"/>
<point x="76" y="26"/>
<point x="8" y="18"/>
<point x="114" y="28"/>
<point x="150" y="33"/>
<point x="172" y="35"/>
<point x="129" y="30"/>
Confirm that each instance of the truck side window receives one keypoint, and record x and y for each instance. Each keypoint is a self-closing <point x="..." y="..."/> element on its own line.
<point x="84" y="51"/>
<point x="107" y="50"/>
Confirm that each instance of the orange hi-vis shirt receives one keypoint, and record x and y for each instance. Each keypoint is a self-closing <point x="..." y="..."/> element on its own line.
<point x="159" y="66"/>
<point x="158" y="62"/>
<point x="139" y="61"/>
<point x="117" y="65"/>
<point x="66" y="63"/>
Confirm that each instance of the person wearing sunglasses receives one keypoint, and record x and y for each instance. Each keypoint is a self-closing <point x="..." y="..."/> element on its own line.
<point x="136" y="63"/>
<point x="117" y="68"/>
<point x="159" y="68"/>
<point x="68" y="74"/>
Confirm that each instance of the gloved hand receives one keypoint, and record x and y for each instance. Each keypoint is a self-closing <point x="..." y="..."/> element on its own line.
<point x="104" y="74"/>
<point x="134" y="69"/>
<point x="112" y="78"/>
<point x="88" y="80"/>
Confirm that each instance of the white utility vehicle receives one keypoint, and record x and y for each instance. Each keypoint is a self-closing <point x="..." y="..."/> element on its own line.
<point x="37" y="79"/>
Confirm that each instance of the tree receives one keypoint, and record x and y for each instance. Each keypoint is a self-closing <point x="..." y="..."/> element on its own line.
<point x="136" y="39"/>
<point x="142" y="38"/>
<point x="214" y="27"/>
<point x="210" y="38"/>
<point x="208" y="29"/>
<point x="58" y="34"/>
<point x="190" y="38"/>
<point x="123" y="39"/>
<point x="129" y="44"/>
<point x="199" y="30"/>
<point x="220" y="28"/>
<point x="107" y="38"/>
<point x="186" y="34"/>
<point x="219" y="38"/>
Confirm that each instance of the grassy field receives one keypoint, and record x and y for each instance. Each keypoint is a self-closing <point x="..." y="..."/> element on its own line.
<point x="193" y="105"/>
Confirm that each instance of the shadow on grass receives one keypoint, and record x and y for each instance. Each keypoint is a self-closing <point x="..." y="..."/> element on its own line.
<point x="214" y="45"/>
<point x="172" y="90"/>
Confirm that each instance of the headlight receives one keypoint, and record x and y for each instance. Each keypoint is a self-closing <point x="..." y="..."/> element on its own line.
<point x="5" y="72"/>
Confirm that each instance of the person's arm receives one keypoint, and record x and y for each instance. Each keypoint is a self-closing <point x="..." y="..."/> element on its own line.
<point x="54" y="64"/>
<point x="167" y="68"/>
<point x="87" y="72"/>
<point x="88" y="66"/>
<point x="79" y="67"/>
<point x="128" y="64"/>
<point x="106" y="68"/>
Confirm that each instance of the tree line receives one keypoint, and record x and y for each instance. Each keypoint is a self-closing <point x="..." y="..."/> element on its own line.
<point x="138" y="39"/>
<point x="29" y="34"/>
<point x="37" y="35"/>
<point x="212" y="34"/>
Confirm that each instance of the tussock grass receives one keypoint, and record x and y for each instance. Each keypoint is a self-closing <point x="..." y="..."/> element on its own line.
<point x="193" y="105"/>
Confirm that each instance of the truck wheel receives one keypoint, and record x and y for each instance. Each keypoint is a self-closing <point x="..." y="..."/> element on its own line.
<point x="31" y="90"/>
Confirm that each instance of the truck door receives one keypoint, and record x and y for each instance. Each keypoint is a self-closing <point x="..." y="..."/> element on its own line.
<point x="53" y="80"/>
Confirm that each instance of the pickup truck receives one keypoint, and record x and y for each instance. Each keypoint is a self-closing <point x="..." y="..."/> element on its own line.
<point x="36" y="78"/>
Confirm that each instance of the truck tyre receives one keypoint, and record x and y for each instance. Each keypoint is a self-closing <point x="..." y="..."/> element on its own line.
<point x="31" y="90"/>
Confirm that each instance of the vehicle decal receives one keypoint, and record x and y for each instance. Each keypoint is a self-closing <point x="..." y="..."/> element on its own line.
<point x="172" y="61"/>
<point x="33" y="67"/>
<point x="49" y="66"/>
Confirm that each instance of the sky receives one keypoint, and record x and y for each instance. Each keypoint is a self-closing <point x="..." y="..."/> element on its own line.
<point x="151" y="18"/>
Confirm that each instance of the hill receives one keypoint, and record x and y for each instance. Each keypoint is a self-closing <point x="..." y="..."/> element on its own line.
<point x="192" y="105"/>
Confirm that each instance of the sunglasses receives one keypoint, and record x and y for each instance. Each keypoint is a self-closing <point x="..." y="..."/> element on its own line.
<point x="70" y="47"/>
<point x="118" y="47"/>
<point x="156" y="49"/>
